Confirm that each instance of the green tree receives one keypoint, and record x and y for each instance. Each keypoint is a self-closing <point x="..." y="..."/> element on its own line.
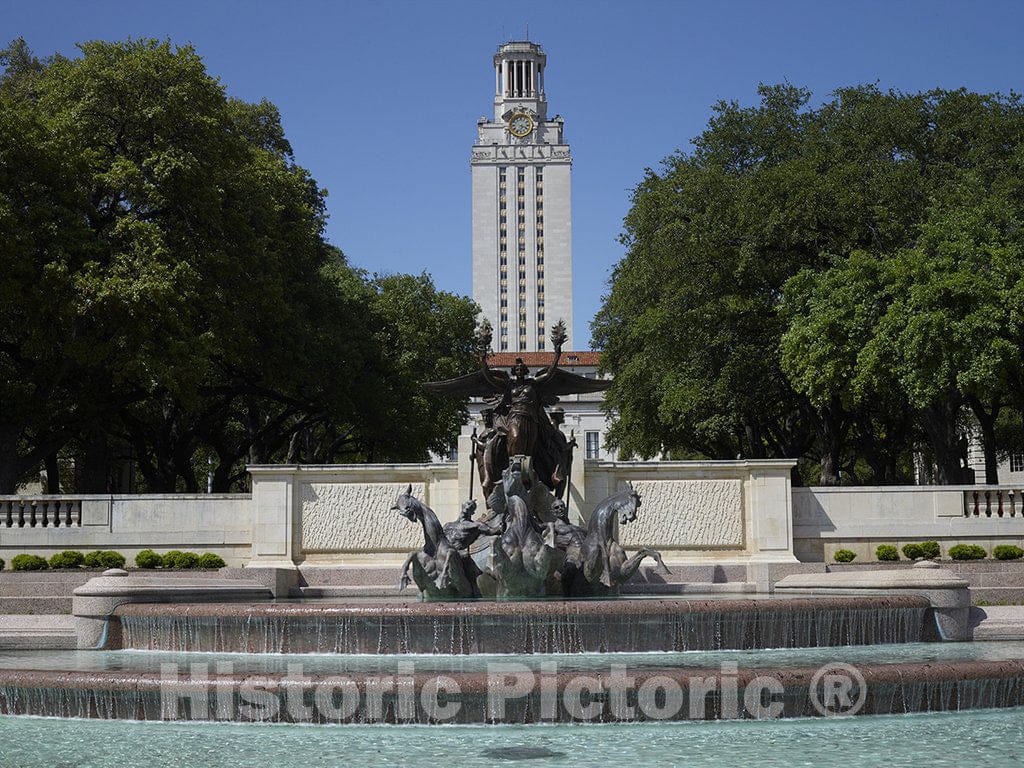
<point x="823" y="282"/>
<point x="171" y="296"/>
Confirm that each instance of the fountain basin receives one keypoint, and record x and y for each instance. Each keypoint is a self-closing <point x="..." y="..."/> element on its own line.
<point x="522" y="627"/>
<point x="507" y="693"/>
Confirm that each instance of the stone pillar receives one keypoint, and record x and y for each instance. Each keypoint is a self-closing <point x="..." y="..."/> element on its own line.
<point x="465" y="448"/>
<point x="277" y="525"/>
<point x="576" y="489"/>
<point x="769" y="500"/>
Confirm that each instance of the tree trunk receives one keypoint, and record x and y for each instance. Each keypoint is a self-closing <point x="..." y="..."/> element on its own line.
<point x="52" y="474"/>
<point x="94" y="468"/>
<point x="940" y="424"/>
<point x="832" y="432"/>
<point x="987" y="422"/>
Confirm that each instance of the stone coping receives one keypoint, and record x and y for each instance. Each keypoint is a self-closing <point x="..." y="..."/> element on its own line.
<point x="720" y="464"/>
<point x="135" y="587"/>
<point x="817" y="489"/>
<point x="485" y="608"/>
<point x="903" y="578"/>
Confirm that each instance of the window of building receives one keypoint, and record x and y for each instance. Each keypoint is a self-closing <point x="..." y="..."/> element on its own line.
<point x="593" y="445"/>
<point x="1017" y="461"/>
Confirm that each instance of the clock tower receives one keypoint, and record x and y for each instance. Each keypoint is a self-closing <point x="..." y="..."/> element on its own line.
<point x="522" y="227"/>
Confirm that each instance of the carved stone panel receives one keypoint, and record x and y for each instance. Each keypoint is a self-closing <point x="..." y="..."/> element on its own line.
<point x="687" y="514"/>
<point x="356" y="517"/>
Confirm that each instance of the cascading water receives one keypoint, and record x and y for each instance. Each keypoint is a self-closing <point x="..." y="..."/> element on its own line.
<point x="527" y="627"/>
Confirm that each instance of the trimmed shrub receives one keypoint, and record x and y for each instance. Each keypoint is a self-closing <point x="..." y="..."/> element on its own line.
<point x="887" y="552"/>
<point x="169" y="558"/>
<point x="186" y="560"/>
<point x="104" y="558"/>
<point x="1007" y="552"/>
<point x="29" y="563"/>
<point x="210" y="560"/>
<point x="912" y="551"/>
<point x="930" y="550"/>
<point x="147" y="558"/>
<point x="69" y="558"/>
<point x="967" y="552"/>
<point x="844" y="556"/>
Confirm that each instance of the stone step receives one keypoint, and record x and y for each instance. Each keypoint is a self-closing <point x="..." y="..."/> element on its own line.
<point x="349" y="591"/>
<point x="365" y="576"/>
<point x="690" y="588"/>
<point x="34" y="605"/>
<point x="38" y="588"/>
<point x="639" y="588"/>
<point x="75" y="577"/>
<point x="997" y="595"/>
<point x="43" y="632"/>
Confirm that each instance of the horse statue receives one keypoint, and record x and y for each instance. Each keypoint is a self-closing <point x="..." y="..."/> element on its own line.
<point x="437" y="569"/>
<point x="605" y="564"/>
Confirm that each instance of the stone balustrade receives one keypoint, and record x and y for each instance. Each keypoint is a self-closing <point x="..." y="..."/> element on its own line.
<point x="40" y="512"/>
<point x="994" y="501"/>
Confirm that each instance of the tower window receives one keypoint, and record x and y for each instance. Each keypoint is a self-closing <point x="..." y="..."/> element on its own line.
<point x="593" y="445"/>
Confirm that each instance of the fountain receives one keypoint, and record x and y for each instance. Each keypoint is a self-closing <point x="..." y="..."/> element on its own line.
<point x="519" y="620"/>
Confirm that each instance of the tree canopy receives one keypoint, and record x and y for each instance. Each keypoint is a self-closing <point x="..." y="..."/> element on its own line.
<point x="169" y="299"/>
<point x="837" y="284"/>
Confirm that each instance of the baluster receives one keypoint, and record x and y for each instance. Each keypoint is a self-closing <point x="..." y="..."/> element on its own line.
<point x="5" y="513"/>
<point x="975" y="503"/>
<point x="967" y="505"/>
<point x="999" y="493"/>
<point x="988" y="503"/>
<point x="45" y="507"/>
<point x="64" y="516"/>
<point x="21" y="514"/>
<point x="75" y="517"/>
<point x="1011" y="497"/>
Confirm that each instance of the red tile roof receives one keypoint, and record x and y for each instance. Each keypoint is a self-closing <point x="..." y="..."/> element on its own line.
<point x="541" y="359"/>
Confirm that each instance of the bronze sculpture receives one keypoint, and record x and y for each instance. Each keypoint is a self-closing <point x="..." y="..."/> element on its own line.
<point x="518" y="402"/>
<point x="524" y="545"/>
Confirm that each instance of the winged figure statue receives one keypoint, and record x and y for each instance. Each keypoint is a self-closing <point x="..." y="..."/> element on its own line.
<point x="518" y="423"/>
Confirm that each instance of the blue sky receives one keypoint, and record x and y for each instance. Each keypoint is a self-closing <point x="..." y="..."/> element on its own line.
<point x="380" y="99"/>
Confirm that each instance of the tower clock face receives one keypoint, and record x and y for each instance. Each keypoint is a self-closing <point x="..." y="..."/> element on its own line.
<point x="520" y="124"/>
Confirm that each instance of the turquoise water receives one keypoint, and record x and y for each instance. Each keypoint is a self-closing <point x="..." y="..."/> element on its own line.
<point x="150" y="661"/>
<point x="992" y="738"/>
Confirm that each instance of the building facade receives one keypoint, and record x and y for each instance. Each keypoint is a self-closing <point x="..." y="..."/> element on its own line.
<point x="522" y="221"/>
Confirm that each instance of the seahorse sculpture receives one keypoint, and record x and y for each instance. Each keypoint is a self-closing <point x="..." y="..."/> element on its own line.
<point x="605" y="564"/>
<point x="437" y="569"/>
<point x="521" y="558"/>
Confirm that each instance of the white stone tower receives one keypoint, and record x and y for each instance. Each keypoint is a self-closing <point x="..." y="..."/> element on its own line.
<point x="522" y="223"/>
